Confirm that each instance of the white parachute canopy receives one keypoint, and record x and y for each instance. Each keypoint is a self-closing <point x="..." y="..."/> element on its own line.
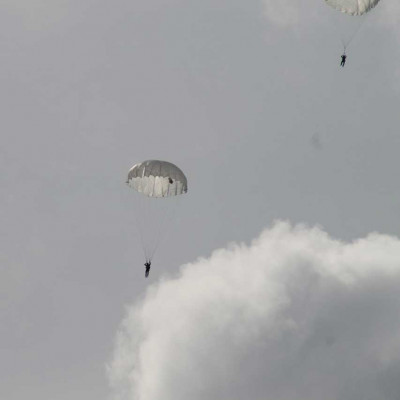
<point x="351" y="18"/>
<point x="155" y="178"/>
<point x="158" y="186"/>
<point x="353" y="7"/>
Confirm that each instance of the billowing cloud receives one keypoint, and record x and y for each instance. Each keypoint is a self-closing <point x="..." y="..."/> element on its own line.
<point x="296" y="315"/>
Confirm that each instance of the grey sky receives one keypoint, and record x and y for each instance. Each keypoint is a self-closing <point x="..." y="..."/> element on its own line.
<point x="233" y="93"/>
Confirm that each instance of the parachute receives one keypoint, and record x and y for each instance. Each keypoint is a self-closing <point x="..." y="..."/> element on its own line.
<point x="353" y="7"/>
<point x="347" y="25"/>
<point x="158" y="186"/>
<point x="154" y="178"/>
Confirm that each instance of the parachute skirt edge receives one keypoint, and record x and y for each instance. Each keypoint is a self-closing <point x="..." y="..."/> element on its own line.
<point x="353" y="7"/>
<point x="157" y="187"/>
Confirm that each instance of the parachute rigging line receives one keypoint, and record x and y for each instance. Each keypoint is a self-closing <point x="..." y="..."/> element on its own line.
<point x="346" y="43"/>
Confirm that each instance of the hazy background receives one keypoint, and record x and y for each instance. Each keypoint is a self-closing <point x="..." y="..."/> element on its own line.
<point x="246" y="97"/>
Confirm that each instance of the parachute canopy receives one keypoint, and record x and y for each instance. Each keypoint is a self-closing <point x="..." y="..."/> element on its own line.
<point x="155" y="178"/>
<point x="353" y="7"/>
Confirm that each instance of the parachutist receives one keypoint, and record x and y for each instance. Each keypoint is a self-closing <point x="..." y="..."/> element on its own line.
<point x="343" y="60"/>
<point x="155" y="179"/>
<point x="147" y="264"/>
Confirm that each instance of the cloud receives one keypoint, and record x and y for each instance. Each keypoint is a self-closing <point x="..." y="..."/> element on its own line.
<point x="296" y="315"/>
<point x="293" y="13"/>
<point x="282" y="13"/>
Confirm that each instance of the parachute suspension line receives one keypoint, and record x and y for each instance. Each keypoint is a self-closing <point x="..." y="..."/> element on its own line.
<point x="149" y="225"/>
<point x="164" y="225"/>
<point x="154" y="217"/>
<point x="157" y="234"/>
<point x="141" y="229"/>
<point x="344" y="47"/>
<point x="346" y="42"/>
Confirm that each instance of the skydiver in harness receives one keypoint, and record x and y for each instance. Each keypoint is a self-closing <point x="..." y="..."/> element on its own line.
<point x="343" y="59"/>
<point x="147" y="264"/>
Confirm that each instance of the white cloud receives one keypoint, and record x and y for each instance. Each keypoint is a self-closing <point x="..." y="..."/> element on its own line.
<point x="296" y="315"/>
<point x="294" y="13"/>
<point x="283" y="13"/>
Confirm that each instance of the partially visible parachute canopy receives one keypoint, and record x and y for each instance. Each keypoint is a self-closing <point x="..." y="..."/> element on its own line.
<point x="154" y="178"/>
<point x="353" y="7"/>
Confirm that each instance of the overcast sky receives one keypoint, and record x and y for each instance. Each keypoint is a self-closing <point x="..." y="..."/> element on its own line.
<point x="248" y="98"/>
